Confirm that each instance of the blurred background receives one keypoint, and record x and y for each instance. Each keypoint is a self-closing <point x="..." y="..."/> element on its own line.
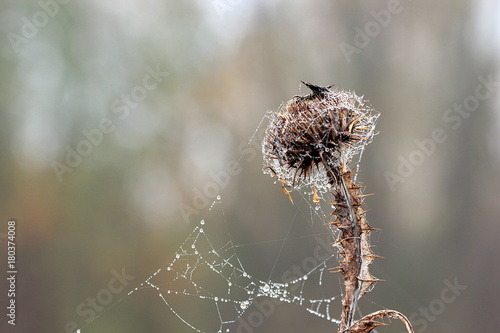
<point x="120" y="119"/>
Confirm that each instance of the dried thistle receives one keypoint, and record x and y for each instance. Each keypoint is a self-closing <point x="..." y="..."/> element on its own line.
<point x="310" y="141"/>
<point x="313" y="136"/>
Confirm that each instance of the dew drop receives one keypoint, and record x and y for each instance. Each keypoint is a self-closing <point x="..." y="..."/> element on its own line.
<point x="193" y="246"/>
<point x="201" y="230"/>
<point x="244" y="305"/>
<point x="245" y="274"/>
<point x="218" y="197"/>
<point x="216" y="299"/>
<point x="266" y="288"/>
<point x="229" y="284"/>
<point x="305" y="277"/>
<point x="317" y="207"/>
<point x="202" y="222"/>
<point x="177" y="255"/>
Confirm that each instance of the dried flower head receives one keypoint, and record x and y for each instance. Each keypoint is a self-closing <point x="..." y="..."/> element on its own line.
<point x="312" y="135"/>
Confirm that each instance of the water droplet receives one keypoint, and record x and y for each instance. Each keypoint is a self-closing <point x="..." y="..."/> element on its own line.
<point x="244" y="305"/>
<point x="266" y="288"/>
<point x="202" y="222"/>
<point x="169" y="268"/>
<point x="305" y="277"/>
<point x="177" y="255"/>
<point x="244" y="274"/>
<point x="201" y="230"/>
<point x="216" y="299"/>
<point x="229" y="284"/>
<point x="317" y="207"/>
<point x="218" y="197"/>
<point x="193" y="246"/>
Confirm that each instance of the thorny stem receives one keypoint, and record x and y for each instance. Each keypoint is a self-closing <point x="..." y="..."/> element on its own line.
<point x="349" y="242"/>
<point x="356" y="252"/>
<point x="351" y="298"/>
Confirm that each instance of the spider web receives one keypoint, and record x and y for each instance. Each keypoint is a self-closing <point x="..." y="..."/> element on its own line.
<point x="210" y="272"/>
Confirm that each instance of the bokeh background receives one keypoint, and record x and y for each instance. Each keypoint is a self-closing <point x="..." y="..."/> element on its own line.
<point x="67" y="67"/>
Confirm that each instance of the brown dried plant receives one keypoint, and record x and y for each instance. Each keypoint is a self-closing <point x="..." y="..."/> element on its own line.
<point x="310" y="142"/>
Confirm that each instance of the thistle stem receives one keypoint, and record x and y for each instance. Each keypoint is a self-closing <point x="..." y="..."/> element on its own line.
<point x="349" y="241"/>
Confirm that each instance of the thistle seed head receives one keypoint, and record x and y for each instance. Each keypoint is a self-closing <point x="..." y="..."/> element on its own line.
<point x="312" y="136"/>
